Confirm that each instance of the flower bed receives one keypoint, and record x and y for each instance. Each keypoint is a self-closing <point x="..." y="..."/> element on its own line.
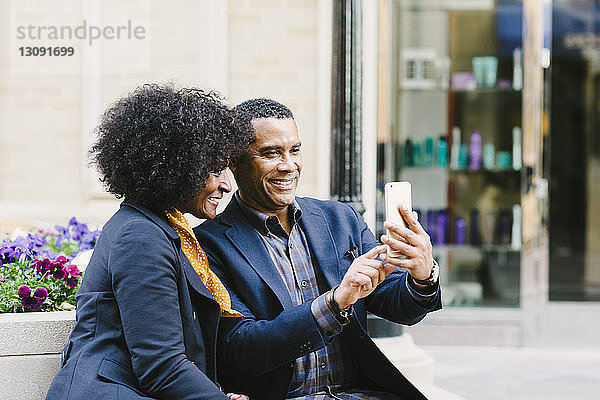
<point x="41" y="270"/>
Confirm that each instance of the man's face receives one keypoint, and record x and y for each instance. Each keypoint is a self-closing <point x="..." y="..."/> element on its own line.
<point x="268" y="176"/>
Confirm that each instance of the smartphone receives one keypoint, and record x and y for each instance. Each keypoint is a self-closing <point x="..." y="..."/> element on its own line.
<point x="397" y="194"/>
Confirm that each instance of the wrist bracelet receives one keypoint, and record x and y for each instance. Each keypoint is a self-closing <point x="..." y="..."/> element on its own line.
<point x="433" y="277"/>
<point x="343" y="316"/>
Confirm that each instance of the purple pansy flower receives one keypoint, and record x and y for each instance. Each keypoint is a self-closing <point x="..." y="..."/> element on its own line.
<point x="78" y="232"/>
<point x="42" y="266"/>
<point x="72" y="274"/>
<point x="72" y="270"/>
<point x="71" y="281"/>
<point x="59" y="273"/>
<point x="36" y="256"/>
<point x="7" y="253"/>
<point x="29" y="300"/>
<point x="56" y="268"/>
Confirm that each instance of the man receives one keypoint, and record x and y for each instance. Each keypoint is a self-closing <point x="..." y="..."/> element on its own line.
<point x="304" y="273"/>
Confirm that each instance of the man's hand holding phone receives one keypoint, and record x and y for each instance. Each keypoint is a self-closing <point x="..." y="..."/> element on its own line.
<point x="407" y="246"/>
<point x="412" y="242"/>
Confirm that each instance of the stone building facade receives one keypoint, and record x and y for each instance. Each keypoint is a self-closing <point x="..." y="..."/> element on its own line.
<point x="49" y="106"/>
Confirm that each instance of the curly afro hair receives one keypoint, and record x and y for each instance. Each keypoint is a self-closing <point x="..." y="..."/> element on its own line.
<point x="262" y="108"/>
<point x="158" y="145"/>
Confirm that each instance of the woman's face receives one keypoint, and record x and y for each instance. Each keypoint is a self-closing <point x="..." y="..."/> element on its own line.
<point x="204" y="206"/>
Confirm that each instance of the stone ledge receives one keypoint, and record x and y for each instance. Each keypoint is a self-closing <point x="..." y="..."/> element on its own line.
<point x="20" y="334"/>
<point x="413" y="362"/>
<point x="27" y="377"/>
<point x="33" y="342"/>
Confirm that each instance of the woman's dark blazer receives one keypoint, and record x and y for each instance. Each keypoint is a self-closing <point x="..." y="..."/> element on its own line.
<point x="139" y="334"/>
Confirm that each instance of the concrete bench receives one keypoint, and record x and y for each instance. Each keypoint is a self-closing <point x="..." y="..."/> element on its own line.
<point x="31" y="344"/>
<point x="30" y="351"/>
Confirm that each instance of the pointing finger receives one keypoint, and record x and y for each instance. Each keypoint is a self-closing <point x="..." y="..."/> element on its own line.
<point x="375" y="252"/>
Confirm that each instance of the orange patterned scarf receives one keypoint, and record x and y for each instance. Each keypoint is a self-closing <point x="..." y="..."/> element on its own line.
<point x="194" y="253"/>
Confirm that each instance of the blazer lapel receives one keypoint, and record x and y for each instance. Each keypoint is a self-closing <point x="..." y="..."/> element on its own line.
<point x="320" y="240"/>
<point x="250" y="245"/>
<point x="190" y="273"/>
<point x="193" y="278"/>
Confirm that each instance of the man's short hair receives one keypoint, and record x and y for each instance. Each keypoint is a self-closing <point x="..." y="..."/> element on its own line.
<point x="263" y="108"/>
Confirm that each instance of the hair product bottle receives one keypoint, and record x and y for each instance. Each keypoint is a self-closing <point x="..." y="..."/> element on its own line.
<point x="428" y="153"/>
<point x="517" y="82"/>
<point x="516" y="153"/>
<point x="475" y="231"/>
<point x="442" y="223"/>
<point x="431" y="225"/>
<point x="462" y="156"/>
<point x="460" y="231"/>
<point x="455" y="150"/>
<point x="408" y="153"/>
<point x="475" y="150"/>
<point x="515" y="236"/>
<point x="442" y="152"/>
<point x="488" y="156"/>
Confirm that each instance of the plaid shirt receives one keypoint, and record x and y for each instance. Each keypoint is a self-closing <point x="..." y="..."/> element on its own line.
<point x="326" y="373"/>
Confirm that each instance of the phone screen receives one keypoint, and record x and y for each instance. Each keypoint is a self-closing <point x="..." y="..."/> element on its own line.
<point x="397" y="194"/>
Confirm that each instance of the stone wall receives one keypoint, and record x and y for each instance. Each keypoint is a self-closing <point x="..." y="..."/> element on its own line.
<point x="275" y="50"/>
<point x="30" y="352"/>
<point x="50" y="106"/>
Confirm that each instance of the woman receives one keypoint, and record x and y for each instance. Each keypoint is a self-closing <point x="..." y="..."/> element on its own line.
<point x="148" y="307"/>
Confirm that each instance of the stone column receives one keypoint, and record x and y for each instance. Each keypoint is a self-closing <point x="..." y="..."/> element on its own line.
<point x="346" y="134"/>
<point x="346" y="121"/>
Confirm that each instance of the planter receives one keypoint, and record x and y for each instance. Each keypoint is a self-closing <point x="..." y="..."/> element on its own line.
<point x="30" y="351"/>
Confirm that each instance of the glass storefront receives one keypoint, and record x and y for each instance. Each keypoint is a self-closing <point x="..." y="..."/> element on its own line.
<point x="574" y="165"/>
<point x="503" y="153"/>
<point x="456" y="135"/>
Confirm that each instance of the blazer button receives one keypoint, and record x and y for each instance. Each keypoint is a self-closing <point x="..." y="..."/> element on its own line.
<point x="308" y="345"/>
<point x="287" y="366"/>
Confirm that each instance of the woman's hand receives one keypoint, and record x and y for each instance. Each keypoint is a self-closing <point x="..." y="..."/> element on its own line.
<point x="234" y="396"/>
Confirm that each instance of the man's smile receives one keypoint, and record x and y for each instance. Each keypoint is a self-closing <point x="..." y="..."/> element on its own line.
<point x="283" y="183"/>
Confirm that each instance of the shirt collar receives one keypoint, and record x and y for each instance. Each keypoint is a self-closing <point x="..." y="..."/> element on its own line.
<point x="262" y="221"/>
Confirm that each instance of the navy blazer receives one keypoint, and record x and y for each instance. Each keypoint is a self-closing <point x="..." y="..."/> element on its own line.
<point x="139" y="332"/>
<point x="257" y="352"/>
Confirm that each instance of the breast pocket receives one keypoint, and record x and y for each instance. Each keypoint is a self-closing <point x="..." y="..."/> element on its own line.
<point x="350" y="253"/>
